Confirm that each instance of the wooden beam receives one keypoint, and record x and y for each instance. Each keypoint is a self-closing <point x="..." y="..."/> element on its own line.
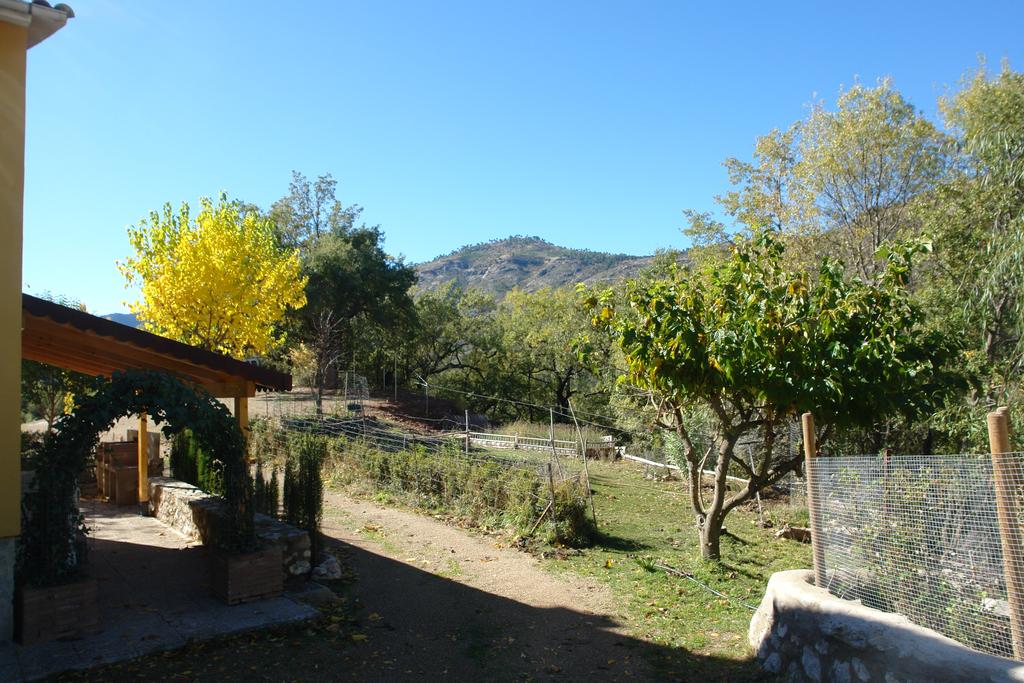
<point x="68" y="347"/>
<point x="54" y="325"/>
<point x="92" y="369"/>
<point x="1007" y="481"/>
<point x="86" y="353"/>
<point x="230" y="389"/>
<point x="242" y="415"/>
<point x="143" y="459"/>
<point x="99" y="365"/>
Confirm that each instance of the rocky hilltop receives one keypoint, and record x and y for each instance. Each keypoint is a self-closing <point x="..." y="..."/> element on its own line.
<point x="530" y="263"/>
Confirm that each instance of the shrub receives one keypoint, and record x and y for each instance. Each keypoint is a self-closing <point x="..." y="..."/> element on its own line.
<point x="266" y="494"/>
<point x="572" y="524"/>
<point x="193" y="464"/>
<point x="489" y="494"/>
<point x="265" y="442"/>
<point x="303" y="486"/>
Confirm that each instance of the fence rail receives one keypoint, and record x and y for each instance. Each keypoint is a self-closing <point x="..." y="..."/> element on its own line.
<point x="529" y="443"/>
<point x="676" y="468"/>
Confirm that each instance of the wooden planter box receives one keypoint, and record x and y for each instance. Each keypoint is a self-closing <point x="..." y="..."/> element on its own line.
<point x="252" y="576"/>
<point x="52" y="612"/>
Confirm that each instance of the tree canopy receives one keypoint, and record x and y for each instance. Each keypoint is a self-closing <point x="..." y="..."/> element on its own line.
<point x="353" y="289"/>
<point x="217" y="279"/>
<point x="755" y="343"/>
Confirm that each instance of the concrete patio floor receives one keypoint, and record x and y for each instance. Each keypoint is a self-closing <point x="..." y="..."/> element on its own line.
<point x="153" y="595"/>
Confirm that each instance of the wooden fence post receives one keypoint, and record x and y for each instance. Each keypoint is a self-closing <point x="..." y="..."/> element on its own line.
<point x="467" y="432"/>
<point x="1007" y="479"/>
<point x="551" y="488"/>
<point x="810" y="452"/>
<point x="586" y="467"/>
<point x="143" y="460"/>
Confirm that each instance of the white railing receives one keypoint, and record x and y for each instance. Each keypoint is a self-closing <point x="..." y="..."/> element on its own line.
<point x="675" y="468"/>
<point x="529" y="443"/>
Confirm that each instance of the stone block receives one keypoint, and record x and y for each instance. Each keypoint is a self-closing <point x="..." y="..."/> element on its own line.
<point x="200" y="516"/>
<point x="812" y="635"/>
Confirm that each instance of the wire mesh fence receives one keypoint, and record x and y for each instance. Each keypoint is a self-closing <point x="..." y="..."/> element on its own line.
<point x="438" y="471"/>
<point x="920" y="536"/>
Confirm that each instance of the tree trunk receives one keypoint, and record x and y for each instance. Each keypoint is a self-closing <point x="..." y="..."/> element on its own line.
<point x="319" y="396"/>
<point x="711" y="525"/>
<point x="710" y="538"/>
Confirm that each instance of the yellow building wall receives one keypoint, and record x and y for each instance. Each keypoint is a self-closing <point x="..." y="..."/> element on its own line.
<point x="13" y="46"/>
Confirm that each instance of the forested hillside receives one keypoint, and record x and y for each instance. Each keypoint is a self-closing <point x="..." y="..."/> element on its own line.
<point x="529" y="263"/>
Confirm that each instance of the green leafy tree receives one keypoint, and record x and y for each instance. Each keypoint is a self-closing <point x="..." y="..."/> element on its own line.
<point x="354" y="289"/>
<point x="48" y="391"/>
<point x="454" y="332"/>
<point x="841" y="182"/>
<point x="864" y="164"/>
<point x="351" y="276"/>
<point x="543" y="331"/>
<point x="974" y="286"/>
<point x="755" y="344"/>
<point x="311" y="209"/>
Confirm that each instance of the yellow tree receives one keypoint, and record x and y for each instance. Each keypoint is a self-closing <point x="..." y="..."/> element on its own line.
<point x="218" y="280"/>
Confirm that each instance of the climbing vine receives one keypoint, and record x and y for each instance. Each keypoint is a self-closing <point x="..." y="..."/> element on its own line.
<point x="51" y="520"/>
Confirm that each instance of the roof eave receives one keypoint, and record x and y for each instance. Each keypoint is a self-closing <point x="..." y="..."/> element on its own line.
<point x="42" y="20"/>
<point x="263" y="378"/>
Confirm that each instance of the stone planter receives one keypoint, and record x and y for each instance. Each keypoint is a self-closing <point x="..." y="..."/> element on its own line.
<point x="201" y="517"/>
<point x="52" y="612"/>
<point x="247" y="577"/>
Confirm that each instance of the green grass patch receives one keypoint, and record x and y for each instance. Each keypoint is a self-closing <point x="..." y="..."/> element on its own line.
<point x="642" y="523"/>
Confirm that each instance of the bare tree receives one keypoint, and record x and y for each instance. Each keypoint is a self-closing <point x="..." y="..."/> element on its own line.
<point x="324" y="341"/>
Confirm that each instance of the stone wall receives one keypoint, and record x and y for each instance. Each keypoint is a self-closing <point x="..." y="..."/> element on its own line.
<point x="199" y="516"/>
<point x="805" y="633"/>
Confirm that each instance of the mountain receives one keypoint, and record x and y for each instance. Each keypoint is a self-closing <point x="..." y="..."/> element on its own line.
<point x="526" y="262"/>
<point x="128" y="319"/>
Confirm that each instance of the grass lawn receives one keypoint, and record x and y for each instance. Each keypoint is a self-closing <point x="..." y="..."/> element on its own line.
<point x="641" y="520"/>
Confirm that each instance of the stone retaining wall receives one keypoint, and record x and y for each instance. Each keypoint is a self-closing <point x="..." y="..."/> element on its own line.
<point x="807" y="634"/>
<point x="199" y="516"/>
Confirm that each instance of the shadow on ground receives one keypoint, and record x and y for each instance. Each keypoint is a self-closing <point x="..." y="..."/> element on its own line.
<point x="153" y="594"/>
<point x="400" y="623"/>
<point x="421" y="626"/>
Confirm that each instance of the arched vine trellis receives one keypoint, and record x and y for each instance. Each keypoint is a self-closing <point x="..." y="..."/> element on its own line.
<point x="51" y="519"/>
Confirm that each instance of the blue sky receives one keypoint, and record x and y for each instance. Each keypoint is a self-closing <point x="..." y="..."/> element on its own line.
<point x="590" y="124"/>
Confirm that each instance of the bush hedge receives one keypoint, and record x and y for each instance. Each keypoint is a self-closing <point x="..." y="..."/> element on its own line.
<point x="266" y="492"/>
<point x="193" y="465"/>
<point x="489" y="494"/>
<point x="304" y="488"/>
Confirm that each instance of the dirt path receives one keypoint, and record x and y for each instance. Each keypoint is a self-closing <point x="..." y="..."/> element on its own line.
<point x="440" y="603"/>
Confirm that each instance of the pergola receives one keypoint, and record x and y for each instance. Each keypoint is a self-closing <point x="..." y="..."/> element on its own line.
<point x="75" y="340"/>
